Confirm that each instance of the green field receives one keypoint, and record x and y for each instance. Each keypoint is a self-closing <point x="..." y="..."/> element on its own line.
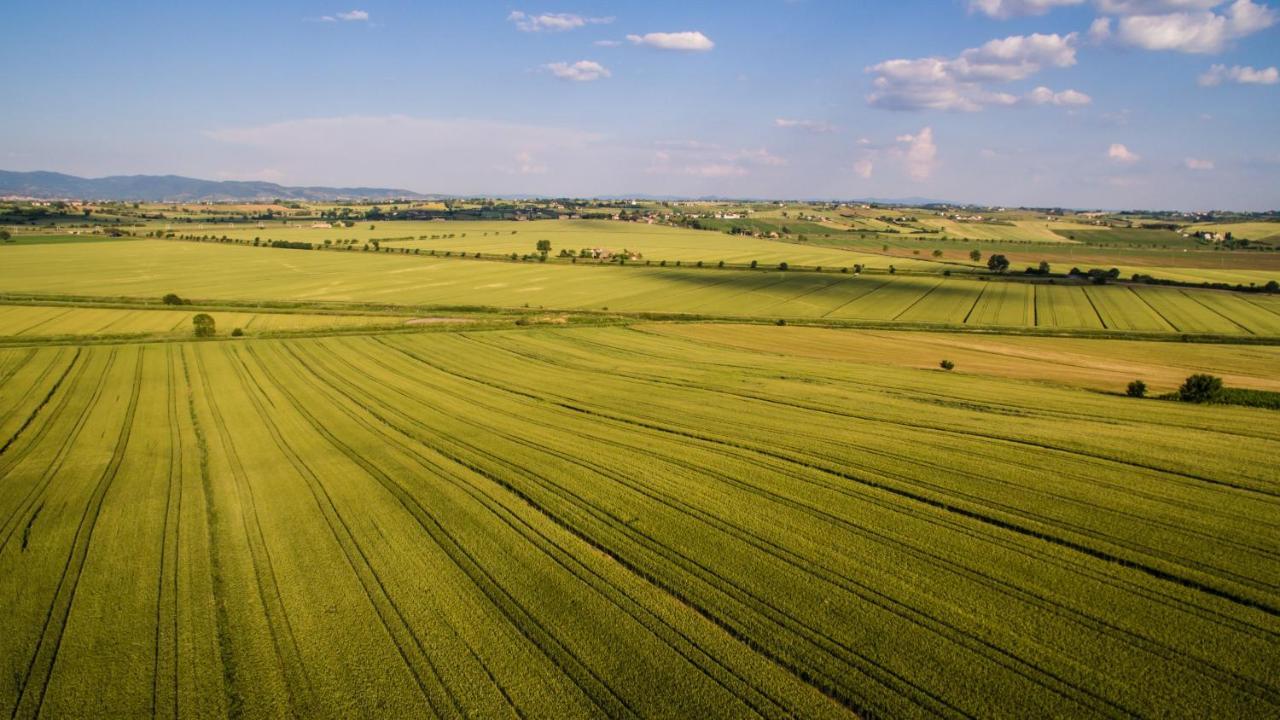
<point x="578" y="522"/>
<point x="446" y="487"/>
<point x="655" y="242"/>
<point x="38" y="320"/>
<point x="208" y="271"/>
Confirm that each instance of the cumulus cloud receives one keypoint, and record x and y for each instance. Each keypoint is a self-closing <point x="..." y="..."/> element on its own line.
<point x="1239" y="74"/>
<point x="553" y="22"/>
<point x="688" y="41"/>
<point x="1004" y="9"/>
<point x="525" y="165"/>
<point x="920" y="154"/>
<point x="1188" y="26"/>
<point x="1122" y="155"/>
<point x="1067" y="98"/>
<point x="581" y="71"/>
<point x="813" y="126"/>
<point x="961" y="83"/>
<point x="1195" y="164"/>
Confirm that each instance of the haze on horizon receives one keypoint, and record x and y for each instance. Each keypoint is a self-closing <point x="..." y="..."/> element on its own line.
<point x="1075" y="103"/>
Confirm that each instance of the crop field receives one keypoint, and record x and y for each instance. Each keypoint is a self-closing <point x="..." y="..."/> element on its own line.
<point x="230" y="272"/>
<point x="1039" y="231"/>
<point x="36" y="320"/>
<point x="1266" y="231"/>
<point x="655" y="242"/>
<point x="663" y="520"/>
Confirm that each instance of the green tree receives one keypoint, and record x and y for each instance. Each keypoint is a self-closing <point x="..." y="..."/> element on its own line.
<point x="947" y="365"/>
<point x="204" y="325"/>
<point x="998" y="263"/>
<point x="975" y="255"/>
<point x="1136" y="389"/>
<point x="1200" y="388"/>
<point x="5" y="236"/>
<point x="1044" y="267"/>
<point x="544" y="247"/>
<point x="172" y="299"/>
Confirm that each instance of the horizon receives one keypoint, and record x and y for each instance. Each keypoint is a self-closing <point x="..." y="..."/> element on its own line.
<point x="914" y="201"/>
<point x="1111" y="104"/>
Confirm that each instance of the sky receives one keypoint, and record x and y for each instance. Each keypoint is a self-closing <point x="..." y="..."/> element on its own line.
<point x="1157" y="104"/>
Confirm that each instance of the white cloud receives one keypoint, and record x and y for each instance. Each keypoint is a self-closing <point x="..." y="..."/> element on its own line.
<point x="1194" y="164"/>
<point x="864" y="168"/>
<point x="960" y="83"/>
<point x="1004" y="9"/>
<point x="689" y="41"/>
<point x="710" y="160"/>
<point x="1188" y="26"/>
<point x="581" y="71"/>
<point x="919" y="154"/>
<point x="758" y="156"/>
<point x="1122" y="155"/>
<point x="525" y="165"/>
<point x="813" y="126"/>
<point x="1153" y="7"/>
<point x="553" y="22"/>
<point x="354" y="16"/>
<point x="607" y="43"/>
<point x="1242" y="75"/>
<point x="1068" y="98"/>
<point x="465" y="155"/>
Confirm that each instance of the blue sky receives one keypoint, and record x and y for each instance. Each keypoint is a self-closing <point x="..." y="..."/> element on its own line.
<point x="1082" y="103"/>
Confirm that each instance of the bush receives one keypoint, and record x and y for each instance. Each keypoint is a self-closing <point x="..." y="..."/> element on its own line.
<point x="947" y="365"/>
<point x="204" y="325"/>
<point x="782" y="266"/>
<point x="237" y="333"/>
<point x="1200" y="388"/>
<point x="1136" y="389"/>
<point x="781" y="322"/>
<point x="173" y="299"/>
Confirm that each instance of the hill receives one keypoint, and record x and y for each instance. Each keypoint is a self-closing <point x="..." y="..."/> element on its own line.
<point x="175" y="188"/>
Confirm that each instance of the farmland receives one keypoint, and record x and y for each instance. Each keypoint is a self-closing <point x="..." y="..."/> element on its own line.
<point x="150" y="268"/>
<point x="428" y="485"/>
<point x="46" y="320"/>
<point x="572" y="522"/>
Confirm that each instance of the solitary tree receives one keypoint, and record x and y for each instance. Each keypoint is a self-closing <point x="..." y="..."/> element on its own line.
<point x="998" y="263"/>
<point x="204" y="325"/>
<point x="975" y="255"/>
<point x="544" y="247"/>
<point x="1044" y="267"/>
<point x="1137" y="389"/>
<point x="5" y="236"/>
<point x="1200" y="388"/>
<point x="172" y="299"/>
<point x="947" y="365"/>
<point x="937" y="253"/>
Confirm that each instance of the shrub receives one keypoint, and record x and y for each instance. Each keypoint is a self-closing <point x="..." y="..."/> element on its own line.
<point x="781" y="322"/>
<point x="782" y="266"/>
<point x="173" y="299"/>
<point x="1136" y="389"/>
<point x="947" y="365"/>
<point x="237" y="333"/>
<point x="1200" y="388"/>
<point x="204" y="325"/>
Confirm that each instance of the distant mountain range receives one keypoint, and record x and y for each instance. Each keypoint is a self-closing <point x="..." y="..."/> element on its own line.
<point x="173" y="188"/>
